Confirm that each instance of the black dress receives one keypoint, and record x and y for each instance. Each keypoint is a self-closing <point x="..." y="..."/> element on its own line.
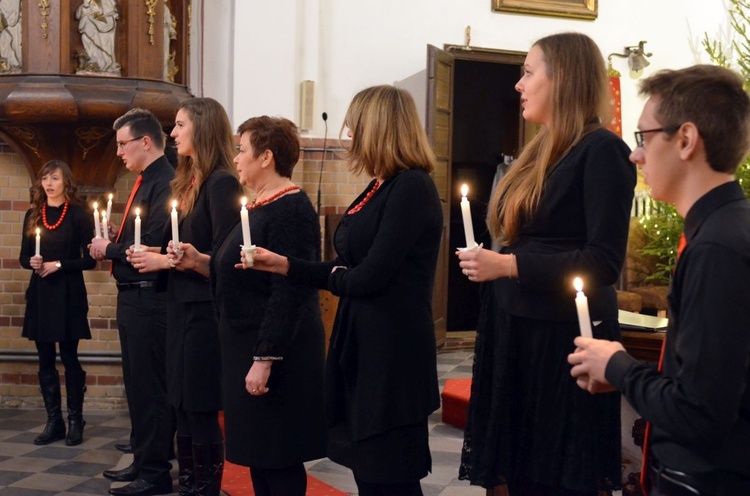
<point x="57" y="306"/>
<point x="381" y="376"/>
<point x="265" y="315"/>
<point x="193" y="351"/>
<point x="528" y="421"/>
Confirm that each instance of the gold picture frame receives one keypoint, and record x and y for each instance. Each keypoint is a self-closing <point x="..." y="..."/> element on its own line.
<point x="579" y="9"/>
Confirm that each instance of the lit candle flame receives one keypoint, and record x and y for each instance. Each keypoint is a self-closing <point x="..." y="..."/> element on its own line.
<point x="96" y="206"/>
<point x="243" y="201"/>
<point x="137" y="212"/>
<point x="578" y="283"/>
<point x="464" y="190"/>
<point x="111" y="196"/>
<point x="174" y="203"/>
<point x="38" y="231"/>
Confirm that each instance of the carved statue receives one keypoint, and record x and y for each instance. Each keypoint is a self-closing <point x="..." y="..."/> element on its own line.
<point x="97" y="22"/>
<point x="10" y="36"/>
<point x="170" y="33"/>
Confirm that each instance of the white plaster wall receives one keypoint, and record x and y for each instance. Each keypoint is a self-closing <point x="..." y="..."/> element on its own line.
<point x="346" y="45"/>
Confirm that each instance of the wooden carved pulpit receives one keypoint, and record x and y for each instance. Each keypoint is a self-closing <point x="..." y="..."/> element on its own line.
<point x="69" y="68"/>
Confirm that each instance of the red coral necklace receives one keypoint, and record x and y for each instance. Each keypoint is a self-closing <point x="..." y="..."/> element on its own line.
<point x="356" y="208"/>
<point x="59" y="221"/>
<point x="260" y="203"/>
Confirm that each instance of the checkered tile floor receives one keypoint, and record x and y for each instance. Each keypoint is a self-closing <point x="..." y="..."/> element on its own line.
<point x="56" y="469"/>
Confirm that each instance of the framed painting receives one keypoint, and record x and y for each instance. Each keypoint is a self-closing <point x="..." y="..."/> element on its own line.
<point x="580" y="9"/>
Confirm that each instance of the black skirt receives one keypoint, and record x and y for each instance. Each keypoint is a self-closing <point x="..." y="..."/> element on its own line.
<point x="527" y="418"/>
<point x="397" y="456"/>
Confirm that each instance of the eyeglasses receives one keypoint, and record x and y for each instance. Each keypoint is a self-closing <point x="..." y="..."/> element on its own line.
<point x="121" y="144"/>
<point x="639" y="134"/>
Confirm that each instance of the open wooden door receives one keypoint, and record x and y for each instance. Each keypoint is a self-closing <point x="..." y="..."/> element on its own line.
<point x="439" y="121"/>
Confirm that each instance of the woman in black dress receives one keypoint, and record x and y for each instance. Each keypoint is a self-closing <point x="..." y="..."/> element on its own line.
<point x="271" y="330"/>
<point x="206" y="190"/>
<point x="381" y="378"/>
<point x="562" y="211"/>
<point x="56" y="303"/>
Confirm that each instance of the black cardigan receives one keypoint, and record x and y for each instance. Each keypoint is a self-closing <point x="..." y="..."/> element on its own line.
<point x="579" y="229"/>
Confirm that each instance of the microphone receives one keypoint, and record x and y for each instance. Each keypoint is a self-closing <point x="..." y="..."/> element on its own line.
<point x="322" y="160"/>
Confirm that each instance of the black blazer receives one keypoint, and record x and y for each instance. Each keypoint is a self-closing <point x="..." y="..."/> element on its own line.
<point x="216" y="211"/>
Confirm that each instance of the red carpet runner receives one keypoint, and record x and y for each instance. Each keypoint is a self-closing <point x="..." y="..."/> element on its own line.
<point x="236" y="481"/>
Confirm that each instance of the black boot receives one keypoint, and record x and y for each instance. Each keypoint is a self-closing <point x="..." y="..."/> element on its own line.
<point x="49" y="383"/>
<point x="75" y="386"/>
<point x="186" y="475"/>
<point x="208" y="460"/>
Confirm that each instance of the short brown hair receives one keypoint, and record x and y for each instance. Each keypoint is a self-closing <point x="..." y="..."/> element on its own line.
<point x="712" y="98"/>
<point x="142" y="122"/>
<point x="387" y="135"/>
<point x="276" y="134"/>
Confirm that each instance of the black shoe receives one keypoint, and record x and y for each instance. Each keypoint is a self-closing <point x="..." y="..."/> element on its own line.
<point x="127" y="474"/>
<point x="124" y="447"/>
<point x="140" y="487"/>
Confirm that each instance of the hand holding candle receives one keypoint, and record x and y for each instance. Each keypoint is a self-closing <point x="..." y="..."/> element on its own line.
<point x="37" y="252"/>
<point x="582" y="307"/>
<point x="137" y="243"/>
<point x="97" y="226"/>
<point x="466" y="215"/>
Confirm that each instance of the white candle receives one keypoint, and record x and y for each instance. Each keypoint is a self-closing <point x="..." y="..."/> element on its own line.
<point x="582" y="306"/>
<point x="105" y="231"/>
<point x="245" y="223"/>
<point x="466" y="214"/>
<point x="97" y="226"/>
<point x="137" y="242"/>
<point x="37" y="252"/>
<point x="109" y="208"/>
<point x="175" y="226"/>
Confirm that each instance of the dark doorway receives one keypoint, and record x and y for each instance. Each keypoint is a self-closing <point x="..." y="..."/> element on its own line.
<point x="486" y="129"/>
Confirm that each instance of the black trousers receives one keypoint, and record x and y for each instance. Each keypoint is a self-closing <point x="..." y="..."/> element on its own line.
<point x="142" y="323"/>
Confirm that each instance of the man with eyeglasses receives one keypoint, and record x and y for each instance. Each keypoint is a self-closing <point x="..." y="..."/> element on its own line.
<point x="141" y="311"/>
<point x="694" y="132"/>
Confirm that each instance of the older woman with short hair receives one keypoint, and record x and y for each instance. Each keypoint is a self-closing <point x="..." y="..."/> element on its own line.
<point x="272" y="338"/>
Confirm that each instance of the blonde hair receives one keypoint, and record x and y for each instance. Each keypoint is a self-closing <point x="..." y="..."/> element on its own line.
<point x="387" y="136"/>
<point x="579" y="103"/>
<point x="214" y="149"/>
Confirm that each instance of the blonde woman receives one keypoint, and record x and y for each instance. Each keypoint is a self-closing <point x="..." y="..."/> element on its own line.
<point x="381" y="379"/>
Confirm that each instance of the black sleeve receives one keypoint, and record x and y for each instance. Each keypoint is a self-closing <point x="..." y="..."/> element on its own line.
<point x="285" y="306"/>
<point x="224" y="207"/>
<point x="608" y="184"/>
<point x="83" y="226"/>
<point x="307" y="273"/>
<point x="700" y="401"/>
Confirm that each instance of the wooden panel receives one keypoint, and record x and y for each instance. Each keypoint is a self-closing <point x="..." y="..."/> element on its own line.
<point x="438" y="125"/>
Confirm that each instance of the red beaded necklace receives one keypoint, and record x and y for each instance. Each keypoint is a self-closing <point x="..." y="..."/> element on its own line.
<point x="59" y="221"/>
<point x="260" y="203"/>
<point x="356" y="208"/>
